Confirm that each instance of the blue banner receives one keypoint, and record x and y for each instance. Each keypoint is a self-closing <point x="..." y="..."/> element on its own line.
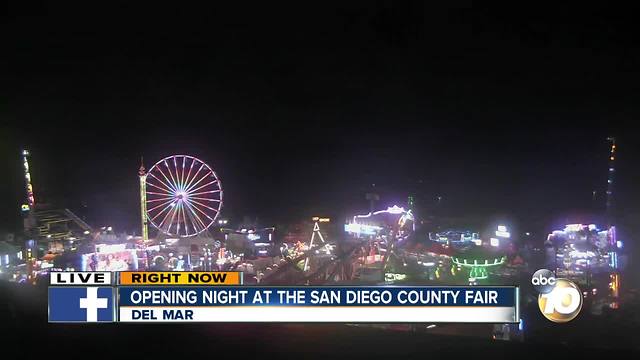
<point x="486" y="296"/>
<point x="81" y="304"/>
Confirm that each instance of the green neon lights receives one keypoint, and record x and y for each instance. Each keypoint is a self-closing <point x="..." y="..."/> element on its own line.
<point x="479" y="272"/>
<point x="476" y="263"/>
<point x="479" y="268"/>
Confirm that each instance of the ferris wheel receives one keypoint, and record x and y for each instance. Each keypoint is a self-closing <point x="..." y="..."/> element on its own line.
<point x="183" y="196"/>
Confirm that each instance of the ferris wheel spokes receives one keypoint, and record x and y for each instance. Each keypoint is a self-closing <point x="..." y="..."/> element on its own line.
<point x="201" y="204"/>
<point x="167" y="185"/>
<point x="186" y="180"/>
<point x="195" y="220"/>
<point x="194" y="176"/>
<point x="205" y="192"/>
<point x="168" y="204"/>
<point x="184" y="159"/>
<point x="173" y="181"/>
<point x="191" y="205"/>
<point x="160" y="199"/>
<point x="201" y="187"/>
<point x="190" y="187"/>
<point x="182" y="201"/>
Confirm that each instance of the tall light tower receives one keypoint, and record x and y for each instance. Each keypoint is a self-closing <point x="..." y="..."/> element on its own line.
<point x="316" y="230"/>
<point x="28" y="209"/>
<point x="27" y="176"/>
<point x="610" y="177"/>
<point x="143" y="201"/>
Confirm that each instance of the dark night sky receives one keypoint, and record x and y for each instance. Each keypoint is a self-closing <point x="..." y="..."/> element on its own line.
<point x="300" y="109"/>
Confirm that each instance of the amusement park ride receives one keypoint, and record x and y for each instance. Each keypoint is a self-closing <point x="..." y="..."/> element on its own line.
<point x="46" y="223"/>
<point x="316" y="231"/>
<point x="180" y="195"/>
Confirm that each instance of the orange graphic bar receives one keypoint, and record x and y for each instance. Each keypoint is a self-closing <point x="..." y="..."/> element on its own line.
<point x="180" y="278"/>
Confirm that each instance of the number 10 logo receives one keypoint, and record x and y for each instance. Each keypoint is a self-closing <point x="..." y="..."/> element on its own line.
<point x="563" y="303"/>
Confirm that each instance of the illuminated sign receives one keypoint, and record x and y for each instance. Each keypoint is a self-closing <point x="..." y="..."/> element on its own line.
<point x="395" y="209"/>
<point x="362" y="229"/>
<point x="503" y="232"/>
<point x="253" y="237"/>
<point x="104" y="248"/>
<point x="573" y="227"/>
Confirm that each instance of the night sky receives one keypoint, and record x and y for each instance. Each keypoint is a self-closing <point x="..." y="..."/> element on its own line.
<point x="300" y="109"/>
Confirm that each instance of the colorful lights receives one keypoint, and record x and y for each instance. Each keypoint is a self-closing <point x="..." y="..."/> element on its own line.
<point x="581" y="249"/>
<point x="613" y="238"/>
<point x="614" y="284"/>
<point x="482" y="263"/>
<point x="573" y="227"/>
<point x="183" y="196"/>
<point x="456" y="236"/>
<point x="253" y="237"/>
<point x="394" y="277"/>
<point x="612" y="158"/>
<point x="27" y="176"/>
<point x="613" y="259"/>
<point x="362" y="229"/>
<point x="394" y="210"/>
<point x="582" y="254"/>
<point x="478" y="267"/>
<point x="478" y="273"/>
<point x="143" y="202"/>
<point x="502" y="232"/>
<point x="316" y="232"/>
<point x="398" y="228"/>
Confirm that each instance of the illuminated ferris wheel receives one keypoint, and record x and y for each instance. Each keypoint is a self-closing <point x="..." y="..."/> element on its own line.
<point x="183" y="196"/>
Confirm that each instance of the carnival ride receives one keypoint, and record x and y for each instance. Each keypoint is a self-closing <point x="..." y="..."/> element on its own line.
<point x="250" y="242"/>
<point x="589" y="256"/>
<point x="479" y="262"/>
<point x="455" y="237"/>
<point x="180" y="196"/>
<point x="393" y="223"/>
<point x="579" y="248"/>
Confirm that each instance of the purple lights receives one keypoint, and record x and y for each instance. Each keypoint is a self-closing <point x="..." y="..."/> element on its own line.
<point x="183" y="195"/>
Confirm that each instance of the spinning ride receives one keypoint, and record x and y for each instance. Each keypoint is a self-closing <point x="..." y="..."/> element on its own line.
<point x="180" y="196"/>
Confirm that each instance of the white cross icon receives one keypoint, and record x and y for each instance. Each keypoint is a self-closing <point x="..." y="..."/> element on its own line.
<point x="92" y="303"/>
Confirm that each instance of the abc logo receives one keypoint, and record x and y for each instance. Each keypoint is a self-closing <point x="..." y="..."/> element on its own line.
<point x="563" y="303"/>
<point x="544" y="281"/>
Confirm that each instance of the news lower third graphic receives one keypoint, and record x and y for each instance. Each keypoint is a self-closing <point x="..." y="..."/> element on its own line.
<point x="81" y="304"/>
<point x="221" y="297"/>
